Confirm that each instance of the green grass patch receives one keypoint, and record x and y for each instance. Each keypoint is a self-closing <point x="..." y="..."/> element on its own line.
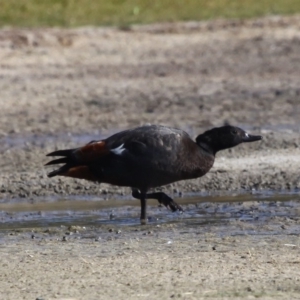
<point x="69" y="13"/>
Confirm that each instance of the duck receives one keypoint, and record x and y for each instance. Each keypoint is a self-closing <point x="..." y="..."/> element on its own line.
<point x="147" y="157"/>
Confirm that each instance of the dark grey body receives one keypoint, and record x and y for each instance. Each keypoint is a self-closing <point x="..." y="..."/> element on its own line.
<point x="147" y="157"/>
<point x="154" y="155"/>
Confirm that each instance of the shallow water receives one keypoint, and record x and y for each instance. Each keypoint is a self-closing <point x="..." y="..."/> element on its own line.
<point x="200" y="209"/>
<point x="255" y="208"/>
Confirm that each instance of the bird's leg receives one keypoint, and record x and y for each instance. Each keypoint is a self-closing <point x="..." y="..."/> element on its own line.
<point x="161" y="197"/>
<point x="164" y="199"/>
<point x="143" y="198"/>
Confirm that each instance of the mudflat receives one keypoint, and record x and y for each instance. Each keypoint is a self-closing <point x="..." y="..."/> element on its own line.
<point x="61" y="88"/>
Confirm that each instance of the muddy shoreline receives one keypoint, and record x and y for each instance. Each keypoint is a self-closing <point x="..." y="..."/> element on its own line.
<point x="61" y="88"/>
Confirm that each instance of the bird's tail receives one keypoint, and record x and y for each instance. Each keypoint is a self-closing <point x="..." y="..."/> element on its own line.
<point x="77" y="162"/>
<point x="67" y="160"/>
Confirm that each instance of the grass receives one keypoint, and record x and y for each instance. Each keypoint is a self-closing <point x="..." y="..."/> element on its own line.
<point x="70" y="13"/>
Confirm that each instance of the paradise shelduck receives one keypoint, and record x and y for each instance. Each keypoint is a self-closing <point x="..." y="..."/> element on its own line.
<point x="147" y="157"/>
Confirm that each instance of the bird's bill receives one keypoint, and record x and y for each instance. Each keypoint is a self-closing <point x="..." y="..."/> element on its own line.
<point x="251" y="138"/>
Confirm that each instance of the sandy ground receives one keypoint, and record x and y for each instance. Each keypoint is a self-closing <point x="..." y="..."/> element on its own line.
<point x="62" y="88"/>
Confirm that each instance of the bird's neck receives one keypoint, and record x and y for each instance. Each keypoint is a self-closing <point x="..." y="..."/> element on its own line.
<point x="206" y="148"/>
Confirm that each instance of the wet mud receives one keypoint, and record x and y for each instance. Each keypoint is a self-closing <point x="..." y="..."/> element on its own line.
<point x="71" y="239"/>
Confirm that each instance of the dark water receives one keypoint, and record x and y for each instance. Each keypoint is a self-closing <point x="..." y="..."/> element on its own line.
<point x="198" y="210"/>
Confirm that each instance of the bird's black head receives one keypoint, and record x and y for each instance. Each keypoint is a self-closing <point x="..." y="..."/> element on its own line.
<point x="224" y="137"/>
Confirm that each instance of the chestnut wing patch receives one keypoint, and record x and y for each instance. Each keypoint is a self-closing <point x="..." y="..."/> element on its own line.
<point x="91" y="152"/>
<point x="76" y="161"/>
<point x="81" y="172"/>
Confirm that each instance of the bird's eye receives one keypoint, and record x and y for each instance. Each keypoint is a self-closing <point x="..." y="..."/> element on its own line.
<point x="234" y="131"/>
